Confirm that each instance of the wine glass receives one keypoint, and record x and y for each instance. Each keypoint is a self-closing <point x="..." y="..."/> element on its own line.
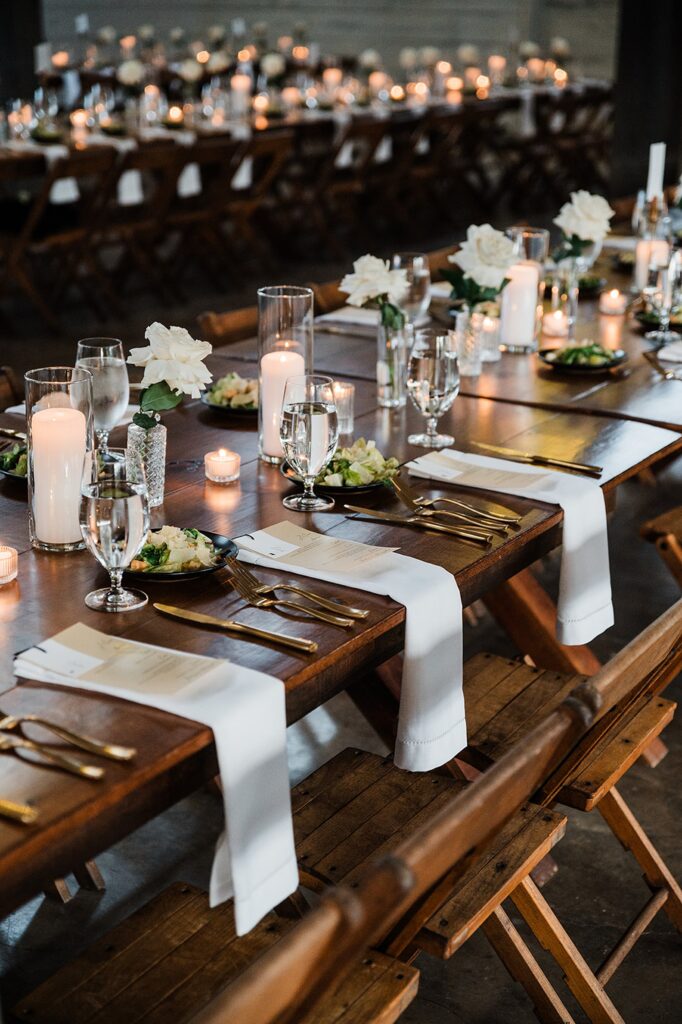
<point x="432" y="383"/>
<point x="110" y="386"/>
<point x="663" y="295"/>
<point x="114" y="519"/>
<point x="309" y="431"/>
<point x="416" y="300"/>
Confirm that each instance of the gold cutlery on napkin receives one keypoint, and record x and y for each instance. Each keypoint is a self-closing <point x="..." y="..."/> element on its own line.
<point x="17" y="812"/>
<point x="513" y="455"/>
<point x="18" y="435"/>
<point x="48" y="758"/>
<point x="480" y="524"/>
<point x="240" y="569"/>
<point x="230" y="626"/>
<point x="111" y="750"/>
<point x="248" y="594"/>
<point x="464" y="533"/>
<point x="665" y="374"/>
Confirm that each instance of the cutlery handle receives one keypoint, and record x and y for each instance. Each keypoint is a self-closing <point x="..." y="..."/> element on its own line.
<point x="314" y="613"/>
<point x="462" y="534"/>
<point x="110" y="750"/>
<point x="69" y="764"/>
<point x="330" y="605"/>
<point x="580" y="467"/>
<point x="511" y="517"/>
<point x="18" y="812"/>
<point x="295" y="642"/>
<point x="478" y="524"/>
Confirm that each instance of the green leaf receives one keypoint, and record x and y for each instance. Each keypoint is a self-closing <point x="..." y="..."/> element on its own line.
<point x="465" y="290"/>
<point x="141" y="419"/>
<point x="392" y="317"/>
<point x="159" y="397"/>
<point x="569" y="248"/>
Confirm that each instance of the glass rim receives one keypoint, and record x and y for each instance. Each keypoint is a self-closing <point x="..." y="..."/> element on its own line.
<point x="58" y="375"/>
<point x="285" y="291"/>
<point x="306" y="378"/>
<point x="528" y="229"/>
<point x="410" y="254"/>
<point x="100" y="342"/>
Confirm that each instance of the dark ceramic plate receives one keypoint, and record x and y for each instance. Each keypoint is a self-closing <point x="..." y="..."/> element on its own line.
<point x="650" y="322"/>
<point x="225" y="547"/>
<point x="9" y="473"/>
<point x="292" y="476"/>
<point x="227" y="410"/>
<point x="548" y="356"/>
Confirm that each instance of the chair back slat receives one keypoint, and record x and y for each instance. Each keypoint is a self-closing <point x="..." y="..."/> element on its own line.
<point x="228" y="328"/>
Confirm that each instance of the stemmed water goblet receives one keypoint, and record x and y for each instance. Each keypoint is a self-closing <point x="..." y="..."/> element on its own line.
<point x="417" y="297"/>
<point x="663" y="295"/>
<point x="432" y="384"/>
<point x="110" y="386"/>
<point x="309" y="432"/>
<point x="114" y="519"/>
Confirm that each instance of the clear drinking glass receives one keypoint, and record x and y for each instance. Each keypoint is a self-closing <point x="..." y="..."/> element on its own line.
<point x="309" y="431"/>
<point x="105" y="360"/>
<point x="417" y="297"/>
<point x="432" y="383"/>
<point x="663" y="296"/>
<point x="114" y="519"/>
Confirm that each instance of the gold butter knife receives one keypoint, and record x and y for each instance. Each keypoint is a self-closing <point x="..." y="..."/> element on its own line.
<point x="18" y="812"/>
<point x="297" y="643"/>
<point x="539" y="460"/>
<point x="9" y="432"/>
<point x="469" y="536"/>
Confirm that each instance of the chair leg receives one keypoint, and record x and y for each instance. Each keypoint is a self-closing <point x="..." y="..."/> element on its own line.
<point x="89" y="876"/>
<point x="670" y="550"/>
<point x="632" y="836"/>
<point x="552" y="936"/>
<point x="524" y="968"/>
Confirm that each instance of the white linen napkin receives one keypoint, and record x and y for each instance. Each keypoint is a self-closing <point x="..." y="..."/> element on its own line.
<point x="129" y="187"/>
<point x="20" y="410"/>
<point x="255" y="858"/>
<point x="584" y="608"/>
<point x="64" y="191"/>
<point x="440" y="290"/>
<point x="359" y="316"/>
<point x="189" y="182"/>
<point x="431" y="721"/>
<point x="671" y="353"/>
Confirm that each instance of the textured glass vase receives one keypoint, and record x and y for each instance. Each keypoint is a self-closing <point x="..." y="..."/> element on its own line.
<point x="150" y="445"/>
<point x="393" y="344"/>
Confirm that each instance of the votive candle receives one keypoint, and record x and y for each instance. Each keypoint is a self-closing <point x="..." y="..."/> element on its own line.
<point x="222" y="466"/>
<point x="555" y="324"/>
<point x="344" y="397"/>
<point x="647" y="252"/>
<point x="9" y="563"/>
<point x="613" y="302"/>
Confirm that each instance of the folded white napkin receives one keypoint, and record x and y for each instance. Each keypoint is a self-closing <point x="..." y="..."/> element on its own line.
<point x="584" y="609"/>
<point x="440" y="289"/>
<point x="64" y="191"/>
<point x="431" y="722"/>
<point x="255" y="858"/>
<point x="358" y="315"/>
<point x="20" y="410"/>
<point x="129" y="187"/>
<point x="624" y="243"/>
<point x="189" y="182"/>
<point x="671" y="353"/>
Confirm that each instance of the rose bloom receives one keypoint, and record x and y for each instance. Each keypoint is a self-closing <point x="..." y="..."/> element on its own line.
<point x="146" y="32"/>
<point x="272" y="65"/>
<point x="369" y="59"/>
<point x="560" y="47"/>
<point x="486" y="256"/>
<point x="218" y="62"/>
<point x="586" y="216"/>
<point x="175" y="357"/>
<point x="130" y="72"/>
<point x="372" y="279"/>
<point x="468" y="55"/>
<point x="190" y="70"/>
<point x="428" y="55"/>
<point x="216" y="33"/>
<point x="177" y="34"/>
<point x="528" y="49"/>
<point x="408" y="58"/>
<point x="107" y="34"/>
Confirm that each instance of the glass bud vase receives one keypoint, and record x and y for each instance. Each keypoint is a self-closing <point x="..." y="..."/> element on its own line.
<point x="393" y="344"/>
<point x="150" y="446"/>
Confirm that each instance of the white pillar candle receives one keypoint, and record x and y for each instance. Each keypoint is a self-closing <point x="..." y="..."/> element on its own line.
<point x="613" y="302"/>
<point x="9" y="562"/>
<point x="275" y="369"/>
<point x="654" y="183"/>
<point x="332" y="77"/>
<point x="240" y="85"/>
<point x="377" y="81"/>
<point x="58" y="437"/>
<point x="497" y="65"/>
<point x="222" y="467"/>
<point x="470" y="76"/>
<point x="520" y="305"/>
<point x="647" y="252"/>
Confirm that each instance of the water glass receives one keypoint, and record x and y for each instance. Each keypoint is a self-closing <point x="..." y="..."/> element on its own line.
<point x="104" y="358"/>
<point x="466" y="338"/>
<point x="432" y="383"/>
<point x="416" y="265"/>
<point x="114" y="519"/>
<point x="309" y="431"/>
<point x="663" y="295"/>
<point x="344" y="396"/>
<point x="530" y="243"/>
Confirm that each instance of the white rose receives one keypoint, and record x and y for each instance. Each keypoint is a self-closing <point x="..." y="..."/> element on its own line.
<point x="560" y="47"/>
<point x="528" y="49"/>
<point x="273" y="65"/>
<point x="586" y="216"/>
<point x="217" y="33"/>
<point x="260" y="29"/>
<point x="218" y="62"/>
<point x="106" y="35"/>
<point x="190" y="70"/>
<point x="428" y="56"/>
<point x="468" y="55"/>
<point x="408" y="58"/>
<point x="372" y="278"/>
<point x="369" y="59"/>
<point x="146" y="33"/>
<point x="130" y="72"/>
<point x="486" y="256"/>
<point x="177" y="34"/>
<point x="175" y="357"/>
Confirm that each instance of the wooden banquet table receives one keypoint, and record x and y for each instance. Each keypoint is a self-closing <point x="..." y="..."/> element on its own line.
<point x="78" y="818"/>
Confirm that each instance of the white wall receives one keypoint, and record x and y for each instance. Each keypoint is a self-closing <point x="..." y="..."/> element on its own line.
<point x="347" y="26"/>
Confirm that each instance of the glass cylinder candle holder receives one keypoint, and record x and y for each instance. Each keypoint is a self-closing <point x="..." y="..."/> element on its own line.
<point x="285" y="349"/>
<point x="9" y="564"/>
<point x="344" y="396"/>
<point x="490" y="337"/>
<point x="466" y="338"/>
<point x="59" y="423"/>
<point x="222" y="467"/>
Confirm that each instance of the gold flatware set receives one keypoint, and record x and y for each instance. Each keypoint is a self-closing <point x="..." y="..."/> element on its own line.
<point x="513" y="455"/>
<point x="658" y="366"/>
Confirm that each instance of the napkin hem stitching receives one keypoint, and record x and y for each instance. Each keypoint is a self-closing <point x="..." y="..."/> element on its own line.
<point x="434" y="739"/>
<point x="595" y="611"/>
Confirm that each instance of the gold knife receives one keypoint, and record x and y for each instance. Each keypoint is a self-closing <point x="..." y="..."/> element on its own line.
<point x="18" y="812"/>
<point x="540" y="460"/>
<point x="297" y="643"/>
<point x="422" y="524"/>
<point x="10" y="432"/>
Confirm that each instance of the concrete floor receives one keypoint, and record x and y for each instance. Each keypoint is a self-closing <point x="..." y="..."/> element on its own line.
<point x="598" y="889"/>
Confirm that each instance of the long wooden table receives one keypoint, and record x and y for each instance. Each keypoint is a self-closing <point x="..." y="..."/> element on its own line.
<point x="79" y="818"/>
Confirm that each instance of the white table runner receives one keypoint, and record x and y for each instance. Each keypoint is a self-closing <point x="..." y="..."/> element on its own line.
<point x="255" y="859"/>
<point x="584" y="608"/>
<point x="431" y="724"/>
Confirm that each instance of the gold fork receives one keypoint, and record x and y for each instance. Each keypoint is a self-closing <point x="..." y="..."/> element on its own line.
<point x="258" y="601"/>
<point x="239" y="569"/>
<point x="17" y="812"/>
<point x="110" y="750"/>
<point x="50" y="757"/>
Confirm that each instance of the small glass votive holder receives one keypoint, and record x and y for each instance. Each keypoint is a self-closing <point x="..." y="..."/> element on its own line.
<point x="222" y="467"/>
<point x="9" y="564"/>
<point x="467" y="341"/>
<point x="490" y="338"/>
<point x="613" y="302"/>
<point x="344" y="395"/>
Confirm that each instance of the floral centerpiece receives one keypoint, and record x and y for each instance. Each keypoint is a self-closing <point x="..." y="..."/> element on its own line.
<point x="481" y="265"/>
<point x="373" y="285"/>
<point x="173" y="367"/>
<point x="131" y="74"/>
<point x="584" y="223"/>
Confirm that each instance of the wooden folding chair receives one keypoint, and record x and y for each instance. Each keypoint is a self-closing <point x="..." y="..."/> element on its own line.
<point x="226" y="328"/>
<point x="665" y="532"/>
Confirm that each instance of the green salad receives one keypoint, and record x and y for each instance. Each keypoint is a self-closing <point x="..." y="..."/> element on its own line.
<point x="235" y="392"/>
<point x="582" y="355"/>
<point x="358" y="465"/>
<point x="172" y="549"/>
<point x="15" y="460"/>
